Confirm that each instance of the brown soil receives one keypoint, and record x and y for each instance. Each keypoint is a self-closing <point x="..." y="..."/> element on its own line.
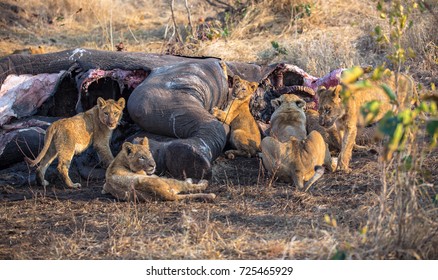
<point x="251" y="218"/>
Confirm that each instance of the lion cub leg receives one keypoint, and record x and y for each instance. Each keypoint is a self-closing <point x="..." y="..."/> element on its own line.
<point x="231" y="154"/>
<point x="43" y="165"/>
<point x="348" y="142"/>
<point x="245" y="147"/>
<point x="64" y="161"/>
<point x="205" y="196"/>
<point x="221" y="115"/>
<point x="170" y="189"/>
<point x="188" y="186"/>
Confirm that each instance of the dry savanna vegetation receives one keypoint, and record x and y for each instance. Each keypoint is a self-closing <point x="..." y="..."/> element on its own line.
<point x="381" y="210"/>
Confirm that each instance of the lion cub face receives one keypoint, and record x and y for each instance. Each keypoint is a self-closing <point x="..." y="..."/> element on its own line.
<point x="243" y="89"/>
<point x="330" y="105"/>
<point x="110" y="111"/>
<point x="288" y="102"/>
<point x="139" y="157"/>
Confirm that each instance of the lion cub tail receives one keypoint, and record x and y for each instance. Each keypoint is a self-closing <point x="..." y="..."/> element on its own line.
<point x="47" y="142"/>
<point x="319" y="171"/>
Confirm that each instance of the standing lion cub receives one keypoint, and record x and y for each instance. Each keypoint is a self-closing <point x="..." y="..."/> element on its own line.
<point x="245" y="135"/>
<point x="70" y="136"/>
<point x="344" y="115"/>
<point x="130" y="177"/>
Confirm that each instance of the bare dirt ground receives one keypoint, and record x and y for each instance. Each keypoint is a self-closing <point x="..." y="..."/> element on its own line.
<point x="252" y="217"/>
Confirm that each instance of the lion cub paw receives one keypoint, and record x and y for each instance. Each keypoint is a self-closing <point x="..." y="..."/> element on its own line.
<point x="229" y="155"/>
<point x="344" y="169"/>
<point x="76" y="186"/>
<point x="45" y="183"/>
<point x="210" y="196"/>
<point x="215" y="111"/>
<point x="203" y="182"/>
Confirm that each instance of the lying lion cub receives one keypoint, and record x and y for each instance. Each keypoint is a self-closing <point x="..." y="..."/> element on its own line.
<point x="289" y="153"/>
<point x="67" y="137"/>
<point x="245" y="135"/>
<point x="346" y="117"/>
<point x="129" y="177"/>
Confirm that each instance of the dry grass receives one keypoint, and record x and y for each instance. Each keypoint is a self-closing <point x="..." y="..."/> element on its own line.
<point x="253" y="217"/>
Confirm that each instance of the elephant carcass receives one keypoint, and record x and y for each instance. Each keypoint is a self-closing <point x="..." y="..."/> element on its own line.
<point x="167" y="95"/>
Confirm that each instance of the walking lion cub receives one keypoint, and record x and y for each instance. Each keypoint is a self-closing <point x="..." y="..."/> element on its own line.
<point x="245" y="135"/>
<point x="67" y="137"/>
<point x="345" y="116"/>
<point x="130" y="177"/>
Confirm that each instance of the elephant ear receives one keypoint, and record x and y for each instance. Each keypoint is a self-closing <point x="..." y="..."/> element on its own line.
<point x="121" y="102"/>
<point x="101" y="102"/>
<point x="128" y="147"/>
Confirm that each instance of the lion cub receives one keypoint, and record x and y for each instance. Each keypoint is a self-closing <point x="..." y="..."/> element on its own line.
<point x="245" y="135"/>
<point x="345" y="117"/>
<point x="130" y="177"/>
<point x="67" y="137"/>
<point x="289" y="153"/>
<point x="30" y="50"/>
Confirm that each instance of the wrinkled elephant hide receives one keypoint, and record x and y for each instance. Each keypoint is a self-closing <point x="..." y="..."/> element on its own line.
<point x="169" y="96"/>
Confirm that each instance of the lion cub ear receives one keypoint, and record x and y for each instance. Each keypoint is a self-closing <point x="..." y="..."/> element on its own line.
<point x="101" y="102"/>
<point x="276" y="102"/>
<point x="236" y="79"/>
<point x="121" y="102"/>
<point x="254" y="86"/>
<point x="127" y="147"/>
<point x="336" y="91"/>
<point x="145" y="142"/>
<point x="300" y="103"/>
<point x="321" y="89"/>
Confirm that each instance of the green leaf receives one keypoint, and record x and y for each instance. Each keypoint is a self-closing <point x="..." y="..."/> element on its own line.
<point x="407" y="162"/>
<point x="394" y="141"/>
<point x="339" y="255"/>
<point x="378" y="30"/>
<point x="388" y="123"/>
<point x="351" y="75"/>
<point x="406" y="117"/>
<point x="362" y="84"/>
<point x="379" y="6"/>
<point x="389" y="92"/>
<point x="432" y="130"/>
<point x="308" y="9"/>
<point x="370" y="110"/>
